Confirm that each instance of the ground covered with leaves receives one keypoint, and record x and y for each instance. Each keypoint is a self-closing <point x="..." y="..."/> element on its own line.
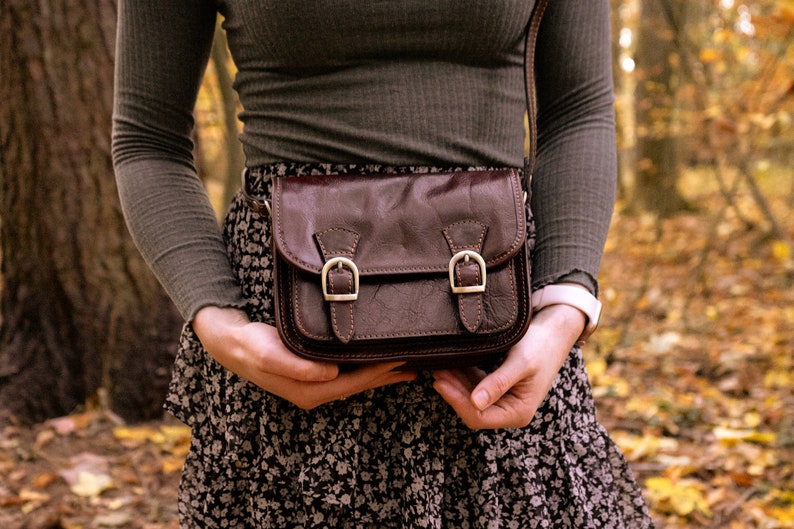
<point x="692" y="370"/>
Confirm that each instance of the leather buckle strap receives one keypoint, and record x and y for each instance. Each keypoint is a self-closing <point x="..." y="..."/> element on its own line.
<point x="466" y="256"/>
<point x="339" y="263"/>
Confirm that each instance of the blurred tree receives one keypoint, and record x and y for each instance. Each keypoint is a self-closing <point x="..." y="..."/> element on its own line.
<point x="708" y="83"/>
<point x="81" y="313"/>
<point x="217" y="150"/>
<point x="657" y="149"/>
<point x="235" y="158"/>
<point x="741" y="61"/>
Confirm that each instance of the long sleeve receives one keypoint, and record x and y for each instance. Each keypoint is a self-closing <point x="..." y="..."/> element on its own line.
<point x="162" y="51"/>
<point x="575" y="177"/>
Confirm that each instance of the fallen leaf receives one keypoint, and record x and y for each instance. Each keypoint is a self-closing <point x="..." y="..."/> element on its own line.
<point x="682" y="498"/>
<point x="138" y="434"/>
<point x="11" y="501"/>
<point x="71" y="423"/>
<point x="88" y="476"/>
<point x="733" y="436"/>
<point x="172" y="464"/>
<point x="44" y="480"/>
<point x="742" y="479"/>
<point x="781" y="250"/>
<point x="44" y="438"/>
<point x="32" y="500"/>
<point x="89" y="484"/>
<point x="114" y="519"/>
<point x="636" y="447"/>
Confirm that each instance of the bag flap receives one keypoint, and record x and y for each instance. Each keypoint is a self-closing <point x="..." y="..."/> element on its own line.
<point x="398" y="224"/>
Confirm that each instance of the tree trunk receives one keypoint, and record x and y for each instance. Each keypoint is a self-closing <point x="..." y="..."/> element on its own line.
<point x="657" y="150"/>
<point x="235" y="158"/>
<point x="80" y="310"/>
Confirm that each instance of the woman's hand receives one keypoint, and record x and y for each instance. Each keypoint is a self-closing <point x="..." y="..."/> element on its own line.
<point x="255" y="352"/>
<point x="510" y="396"/>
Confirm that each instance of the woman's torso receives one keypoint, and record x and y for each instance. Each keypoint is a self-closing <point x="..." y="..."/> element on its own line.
<point x="411" y="82"/>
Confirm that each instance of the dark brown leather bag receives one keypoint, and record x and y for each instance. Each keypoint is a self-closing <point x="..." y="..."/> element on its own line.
<point x="431" y="269"/>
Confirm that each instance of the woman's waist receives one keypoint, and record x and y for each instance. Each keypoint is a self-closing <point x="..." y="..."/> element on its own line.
<point x="403" y="113"/>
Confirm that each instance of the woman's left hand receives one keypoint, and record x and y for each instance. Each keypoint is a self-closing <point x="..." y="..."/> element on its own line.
<point x="509" y="396"/>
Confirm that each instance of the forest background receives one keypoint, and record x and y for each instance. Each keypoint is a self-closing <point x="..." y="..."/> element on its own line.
<point x="693" y="366"/>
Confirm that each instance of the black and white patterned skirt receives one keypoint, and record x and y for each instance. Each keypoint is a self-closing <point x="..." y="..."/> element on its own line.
<point x="392" y="457"/>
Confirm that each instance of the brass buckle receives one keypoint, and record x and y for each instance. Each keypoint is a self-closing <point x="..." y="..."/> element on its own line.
<point x="465" y="256"/>
<point x="340" y="262"/>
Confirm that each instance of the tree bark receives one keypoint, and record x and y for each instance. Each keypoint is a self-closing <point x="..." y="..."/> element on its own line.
<point x="80" y="309"/>
<point x="657" y="138"/>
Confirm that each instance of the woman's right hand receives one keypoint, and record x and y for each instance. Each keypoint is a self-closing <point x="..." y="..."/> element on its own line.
<point x="255" y="352"/>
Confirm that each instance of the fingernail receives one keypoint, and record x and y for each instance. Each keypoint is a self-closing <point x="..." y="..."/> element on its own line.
<point x="481" y="399"/>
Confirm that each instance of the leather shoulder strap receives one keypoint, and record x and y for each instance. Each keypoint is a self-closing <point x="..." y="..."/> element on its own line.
<point x="529" y="81"/>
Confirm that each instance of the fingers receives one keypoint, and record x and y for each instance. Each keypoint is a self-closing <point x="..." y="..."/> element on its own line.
<point x="308" y="395"/>
<point x="255" y="352"/>
<point x="456" y="390"/>
<point x="509" y="396"/>
<point x="494" y="386"/>
<point x="510" y="411"/>
<point x="252" y="349"/>
<point x="263" y="344"/>
<point x="483" y="390"/>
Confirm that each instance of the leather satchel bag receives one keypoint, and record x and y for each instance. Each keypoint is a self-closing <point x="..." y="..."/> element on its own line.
<point x="432" y="269"/>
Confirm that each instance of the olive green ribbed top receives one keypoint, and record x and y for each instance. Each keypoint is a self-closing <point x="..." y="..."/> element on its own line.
<point x="408" y="82"/>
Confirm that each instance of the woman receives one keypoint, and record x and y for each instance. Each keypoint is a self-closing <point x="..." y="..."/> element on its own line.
<point x="352" y="86"/>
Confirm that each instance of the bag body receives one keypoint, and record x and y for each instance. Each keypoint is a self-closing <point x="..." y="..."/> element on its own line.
<point x="432" y="269"/>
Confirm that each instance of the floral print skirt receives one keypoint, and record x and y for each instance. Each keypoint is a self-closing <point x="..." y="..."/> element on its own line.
<point x="393" y="457"/>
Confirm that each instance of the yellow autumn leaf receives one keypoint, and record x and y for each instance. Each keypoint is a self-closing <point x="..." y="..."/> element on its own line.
<point x="596" y="367"/>
<point x="762" y="438"/>
<point x="780" y="506"/>
<point x="784" y="515"/>
<point x="752" y="419"/>
<point x="781" y="250"/>
<point x="785" y="496"/>
<point x="761" y="460"/>
<point x="686" y="500"/>
<point x="636" y="447"/>
<point x="176" y="433"/>
<point x="681" y="498"/>
<point x="778" y="379"/>
<point x="172" y="464"/>
<point x="733" y="436"/>
<point x="140" y="434"/>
